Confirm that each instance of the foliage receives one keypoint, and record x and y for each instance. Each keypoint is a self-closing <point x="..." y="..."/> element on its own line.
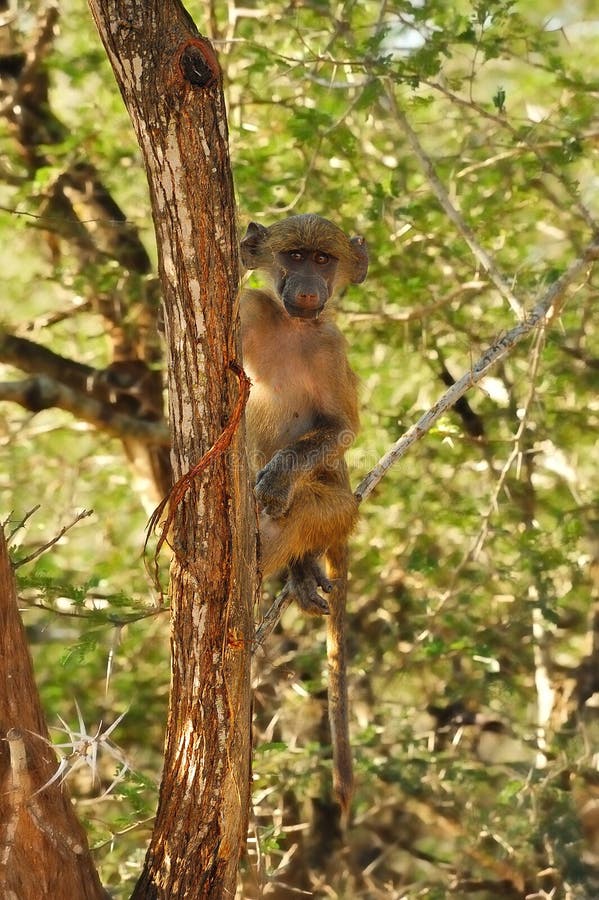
<point x="472" y="563"/>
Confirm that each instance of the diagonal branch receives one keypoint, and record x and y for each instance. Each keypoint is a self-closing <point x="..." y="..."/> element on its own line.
<point x="545" y="309"/>
<point x="274" y="612"/>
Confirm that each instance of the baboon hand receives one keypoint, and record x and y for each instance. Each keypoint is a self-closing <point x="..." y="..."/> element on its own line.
<point x="274" y="484"/>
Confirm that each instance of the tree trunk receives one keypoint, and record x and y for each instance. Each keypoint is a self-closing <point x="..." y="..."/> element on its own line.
<point x="43" y="848"/>
<point x="171" y="83"/>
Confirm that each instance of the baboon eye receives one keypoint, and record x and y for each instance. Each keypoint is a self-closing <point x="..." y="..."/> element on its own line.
<point x="296" y="255"/>
<point x="321" y="258"/>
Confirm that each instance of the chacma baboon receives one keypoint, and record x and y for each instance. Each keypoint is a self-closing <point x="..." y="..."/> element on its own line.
<point x="302" y="416"/>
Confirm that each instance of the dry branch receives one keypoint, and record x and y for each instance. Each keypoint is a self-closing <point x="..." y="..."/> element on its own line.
<point x="84" y="514"/>
<point x="547" y="307"/>
<point x="278" y="606"/>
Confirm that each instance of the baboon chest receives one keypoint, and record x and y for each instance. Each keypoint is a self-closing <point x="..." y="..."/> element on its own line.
<point x="288" y="390"/>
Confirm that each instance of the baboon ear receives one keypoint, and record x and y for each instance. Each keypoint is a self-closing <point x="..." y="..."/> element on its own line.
<point x="360" y="260"/>
<point x="252" y="246"/>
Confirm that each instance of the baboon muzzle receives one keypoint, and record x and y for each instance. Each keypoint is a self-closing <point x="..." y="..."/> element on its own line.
<point x="304" y="297"/>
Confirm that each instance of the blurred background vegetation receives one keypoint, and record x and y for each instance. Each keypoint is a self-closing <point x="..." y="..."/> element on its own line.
<point x="474" y="590"/>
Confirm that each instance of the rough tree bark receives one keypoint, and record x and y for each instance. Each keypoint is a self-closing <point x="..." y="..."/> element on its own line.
<point x="43" y="848"/>
<point x="171" y="84"/>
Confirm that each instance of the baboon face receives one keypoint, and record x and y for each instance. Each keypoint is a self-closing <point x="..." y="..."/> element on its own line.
<point x="307" y="258"/>
<point x="304" y="280"/>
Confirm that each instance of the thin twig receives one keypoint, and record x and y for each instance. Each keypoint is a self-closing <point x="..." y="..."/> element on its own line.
<point x="117" y="834"/>
<point x="443" y="197"/>
<point x="21" y="524"/>
<point x="417" y="313"/>
<point x="42" y="549"/>
<point x="283" y="599"/>
<point x="521" y="144"/>
<point x="478" y="542"/>
<point x="546" y="695"/>
<point x="115" y="619"/>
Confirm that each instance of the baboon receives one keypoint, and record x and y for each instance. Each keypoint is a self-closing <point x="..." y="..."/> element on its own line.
<point x="302" y="416"/>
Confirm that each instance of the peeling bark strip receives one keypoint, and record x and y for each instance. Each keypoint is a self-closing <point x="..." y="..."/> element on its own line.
<point x="43" y="848"/>
<point x="171" y="502"/>
<point x="171" y="84"/>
